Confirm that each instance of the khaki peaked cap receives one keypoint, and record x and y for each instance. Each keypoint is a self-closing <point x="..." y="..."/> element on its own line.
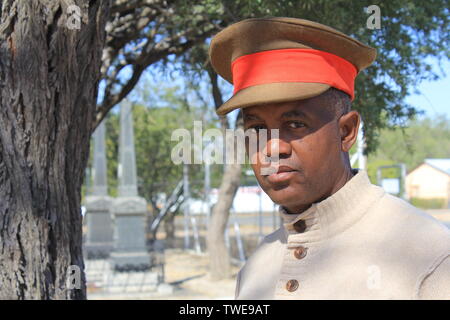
<point x="263" y="34"/>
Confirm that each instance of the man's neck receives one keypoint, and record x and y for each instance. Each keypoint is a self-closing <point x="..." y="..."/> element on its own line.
<point x="342" y="179"/>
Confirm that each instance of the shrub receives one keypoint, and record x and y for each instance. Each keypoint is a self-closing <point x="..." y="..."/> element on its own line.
<point x="431" y="203"/>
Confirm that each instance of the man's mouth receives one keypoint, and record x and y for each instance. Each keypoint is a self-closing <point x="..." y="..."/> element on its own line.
<point x="282" y="169"/>
<point x="279" y="174"/>
<point x="267" y="171"/>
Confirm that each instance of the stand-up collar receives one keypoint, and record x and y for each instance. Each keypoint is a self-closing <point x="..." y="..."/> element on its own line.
<point x="334" y="214"/>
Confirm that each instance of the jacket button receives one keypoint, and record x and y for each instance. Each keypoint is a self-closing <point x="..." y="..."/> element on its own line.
<point x="300" y="226"/>
<point x="300" y="252"/>
<point x="292" y="285"/>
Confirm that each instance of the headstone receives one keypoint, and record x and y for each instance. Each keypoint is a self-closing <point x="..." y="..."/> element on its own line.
<point x="130" y="251"/>
<point x="129" y="211"/>
<point x="99" y="238"/>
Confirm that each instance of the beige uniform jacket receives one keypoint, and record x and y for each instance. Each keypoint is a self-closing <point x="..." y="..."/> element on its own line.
<point x="360" y="243"/>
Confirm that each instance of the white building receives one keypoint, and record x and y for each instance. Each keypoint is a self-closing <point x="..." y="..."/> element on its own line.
<point x="247" y="200"/>
<point x="430" y="180"/>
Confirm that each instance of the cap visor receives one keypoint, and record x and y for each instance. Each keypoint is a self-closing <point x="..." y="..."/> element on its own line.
<point x="272" y="93"/>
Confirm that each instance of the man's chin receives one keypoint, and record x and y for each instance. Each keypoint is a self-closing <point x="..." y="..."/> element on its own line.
<point x="287" y="196"/>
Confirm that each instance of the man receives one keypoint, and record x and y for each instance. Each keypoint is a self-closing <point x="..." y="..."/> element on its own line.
<point x="342" y="237"/>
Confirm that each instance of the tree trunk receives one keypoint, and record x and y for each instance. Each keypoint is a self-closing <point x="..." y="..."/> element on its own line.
<point x="218" y="252"/>
<point x="219" y="257"/>
<point x="50" y="58"/>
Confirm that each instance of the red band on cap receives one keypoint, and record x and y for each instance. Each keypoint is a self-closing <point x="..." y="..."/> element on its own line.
<point x="293" y="65"/>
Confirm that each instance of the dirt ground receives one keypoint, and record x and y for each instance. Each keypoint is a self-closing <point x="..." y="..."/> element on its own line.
<point x="442" y="215"/>
<point x="188" y="272"/>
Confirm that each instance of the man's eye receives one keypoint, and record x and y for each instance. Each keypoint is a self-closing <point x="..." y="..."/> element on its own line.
<point x="296" y="124"/>
<point x="256" y="128"/>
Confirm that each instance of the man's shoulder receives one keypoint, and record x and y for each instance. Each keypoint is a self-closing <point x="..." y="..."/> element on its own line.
<point x="405" y="225"/>
<point x="256" y="279"/>
<point x="269" y="246"/>
<point x="400" y="211"/>
<point x="271" y="241"/>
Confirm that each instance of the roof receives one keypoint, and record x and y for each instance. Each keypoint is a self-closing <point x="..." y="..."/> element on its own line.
<point x="440" y="164"/>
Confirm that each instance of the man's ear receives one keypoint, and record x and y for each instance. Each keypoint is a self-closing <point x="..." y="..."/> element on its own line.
<point x="348" y="129"/>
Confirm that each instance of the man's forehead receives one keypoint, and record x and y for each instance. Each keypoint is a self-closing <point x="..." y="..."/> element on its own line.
<point x="301" y="108"/>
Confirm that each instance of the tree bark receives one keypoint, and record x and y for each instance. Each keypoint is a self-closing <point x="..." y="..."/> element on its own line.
<point x="218" y="253"/>
<point x="50" y="59"/>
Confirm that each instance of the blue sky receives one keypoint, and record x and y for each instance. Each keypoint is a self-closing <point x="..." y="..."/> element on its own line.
<point x="435" y="95"/>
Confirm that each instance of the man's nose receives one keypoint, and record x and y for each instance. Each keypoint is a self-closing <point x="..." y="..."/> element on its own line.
<point x="277" y="147"/>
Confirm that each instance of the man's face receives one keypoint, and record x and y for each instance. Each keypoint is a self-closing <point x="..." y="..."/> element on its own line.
<point x="309" y="145"/>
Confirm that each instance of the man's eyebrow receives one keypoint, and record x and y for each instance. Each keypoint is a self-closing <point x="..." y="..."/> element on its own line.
<point x="251" y="117"/>
<point x="294" y="114"/>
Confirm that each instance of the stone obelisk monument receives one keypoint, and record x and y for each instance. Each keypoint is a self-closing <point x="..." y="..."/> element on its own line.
<point x="129" y="211"/>
<point x="99" y="238"/>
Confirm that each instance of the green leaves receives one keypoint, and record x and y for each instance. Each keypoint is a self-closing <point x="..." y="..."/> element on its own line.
<point x="411" y="144"/>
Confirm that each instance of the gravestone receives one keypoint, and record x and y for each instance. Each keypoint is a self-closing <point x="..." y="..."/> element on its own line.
<point x="99" y="238"/>
<point x="129" y="211"/>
